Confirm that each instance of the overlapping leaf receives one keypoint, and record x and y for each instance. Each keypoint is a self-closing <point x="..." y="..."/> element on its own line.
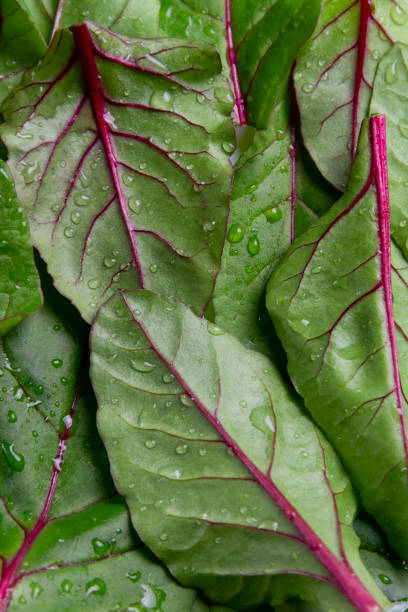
<point x="390" y="96"/>
<point x="335" y="73"/>
<point x="128" y="185"/>
<point x="185" y="397"/>
<point x="331" y="302"/>
<point x="66" y="538"/>
<point x="20" y="292"/>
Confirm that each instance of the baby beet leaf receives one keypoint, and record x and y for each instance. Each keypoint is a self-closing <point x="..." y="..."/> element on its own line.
<point x="186" y="398"/>
<point x="335" y="73"/>
<point x="390" y="85"/>
<point x="20" y="292"/>
<point x="66" y="541"/>
<point x="331" y="302"/>
<point x="129" y="186"/>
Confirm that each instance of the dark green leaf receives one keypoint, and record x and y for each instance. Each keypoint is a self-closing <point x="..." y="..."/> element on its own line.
<point x="20" y="292"/>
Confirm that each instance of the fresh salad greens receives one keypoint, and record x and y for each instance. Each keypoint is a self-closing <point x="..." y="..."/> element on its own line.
<point x="204" y="305"/>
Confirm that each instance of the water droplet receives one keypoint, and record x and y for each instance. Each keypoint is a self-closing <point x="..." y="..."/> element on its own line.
<point x="81" y="199"/>
<point x="75" y="217"/>
<point x="100" y="547"/>
<point x="153" y="268"/>
<point x="11" y="416"/>
<point x="69" y="232"/>
<point x="34" y="433"/>
<point x="262" y="419"/>
<point x="134" y="576"/>
<point x="93" y="283"/>
<point x="36" y="590"/>
<point x="150" y="443"/>
<point x="403" y="223"/>
<point x="56" y="327"/>
<point x="214" y="330"/>
<point x="203" y="452"/>
<point x="142" y="165"/>
<point x="391" y="73"/>
<point x="273" y="214"/>
<point x="307" y="88"/>
<point x="398" y="15"/>
<point x="142" y="366"/>
<point x="182" y="449"/>
<point x="163" y="537"/>
<point x="228" y="147"/>
<point x="317" y="270"/>
<point x="186" y="400"/>
<point x="66" y="586"/>
<point x="14" y="459"/>
<point x="209" y="226"/>
<point x="235" y="233"/>
<point x="57" y="363"/>
<point x="149" y="599"/>
<point x="22" y="600"/>
<point x="168" y="378"/>
<point x="95" y="587"/>
<point x="109" y="262"/>
<point x="385" y="579"/>
<point x="128" y="179"/>
<point x="253" y="245"/>
<point x="403" y="130"/>
<point x="135" y="205"/>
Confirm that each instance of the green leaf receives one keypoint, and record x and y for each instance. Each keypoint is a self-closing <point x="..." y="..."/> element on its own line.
<point x="177" y="399"/>
<point x="130" y="176"/>
<point x="22" y="44"/>
<point x="390" y="97"/>
<point x="20" y="292"/>
<point x="334" y="76"/>
<point x="66" y="540"/>
<point x="331" y="302"/>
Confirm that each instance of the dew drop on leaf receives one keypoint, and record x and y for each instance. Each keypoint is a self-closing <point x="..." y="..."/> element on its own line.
<point x="214" y="330"/>
<point x="100" y="547"/>
<point x="57" y="363"/>
<point x="273" y="214"/>
<point x="93" y="283"/>
<point x="11" y="416"/>
<point x="69" y="232"/>
<point x="66" y="586"/>
<point x="95" y="587"/>
<point x="398" y="15"/>
<point x="150" y="443"/>
<point x="142" y="366"/>
<point x="253" y="245"/>
<point x="385" y="579"/>
<point x="36" y="590"/>
<point x="81" y="199"/>
<point x="235" y="233"/>
<point x="153" y="268"/>
<point x="391" y="74"/>
<point x="14" y="459"/>
<point x="228" y="147"/>
<point x="134" y="576"/>
<point x="135" y="205"/>
<point x="75" y="217"/>
<point x="182" y="449"/>
<point x="109" y="262"/>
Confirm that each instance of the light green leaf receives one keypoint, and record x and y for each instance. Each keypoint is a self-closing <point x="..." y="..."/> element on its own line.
<point x="20" y="292"/>
<point x="130" y="178"/>
<point x="66" y="541"/>
<point x="177" y="398"/>
<point x="334" y="76"/>
<point x="330" y="299"/>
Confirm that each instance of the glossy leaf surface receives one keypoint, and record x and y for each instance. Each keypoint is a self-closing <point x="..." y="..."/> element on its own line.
<point x="129" y="184"/>
<point x="331" y="302"/>
<point x="20" y="292"/>
<point x="66" y="540"/>
<point x="186" y="397"/>
<point x="390" y="96"/>
<point x="334" y="77"/>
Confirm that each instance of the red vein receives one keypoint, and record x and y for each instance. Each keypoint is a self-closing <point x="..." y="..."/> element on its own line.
<point x="346" y="581"/>
<point x="239" y="102"/>
<point x="84" y="46"/>
<point x="10" y="570"/>
<point x="378" y="132"/>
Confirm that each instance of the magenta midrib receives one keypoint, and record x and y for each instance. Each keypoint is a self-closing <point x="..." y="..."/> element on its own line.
<point x="85" y="50"/>
<point x="344" y="579"/>
<point x="242" y="119"/>
<point x="10" y="571"/>
<point x="379" y="152"/>
<point x="361" y="55"/>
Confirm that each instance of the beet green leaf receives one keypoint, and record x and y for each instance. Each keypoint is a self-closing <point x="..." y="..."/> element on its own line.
<point x="334" y="77"/>
<point x="331" y="302"/>
<point x="390" y="96"/>
<point x="66" y="538"/>
<point x="214" y="455"/>
<point x="132" y="173"/>
<point x="20" y="292"/>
